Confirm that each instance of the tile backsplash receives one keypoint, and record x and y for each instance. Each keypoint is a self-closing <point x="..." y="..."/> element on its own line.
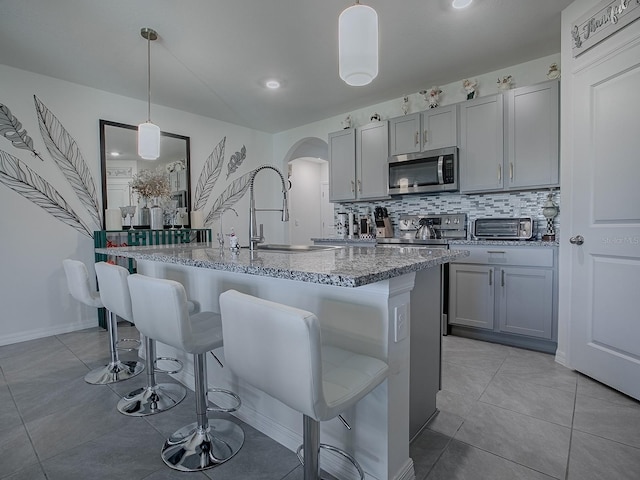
<point x="511" y="204"/>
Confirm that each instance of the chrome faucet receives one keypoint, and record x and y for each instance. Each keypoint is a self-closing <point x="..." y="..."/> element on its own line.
<point x="254" y="239"/>
<point x="221" y="233"/>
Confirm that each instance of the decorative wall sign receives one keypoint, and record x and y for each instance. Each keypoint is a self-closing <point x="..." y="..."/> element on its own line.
<point x="601" y="22"/>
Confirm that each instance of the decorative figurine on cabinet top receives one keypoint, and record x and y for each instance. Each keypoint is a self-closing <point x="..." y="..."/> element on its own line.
<point x="405" y="104"/>
<point x="346" y="123"/>
<point x="470" y="87"/>
<point x="376" y="117"/>
<point x="554" y="72"/>
<point x="432" y="97"/>
<point x="505" y="82"/>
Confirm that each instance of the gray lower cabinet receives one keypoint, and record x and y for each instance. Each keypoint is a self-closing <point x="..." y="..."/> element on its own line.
<point x="506" y="294"/>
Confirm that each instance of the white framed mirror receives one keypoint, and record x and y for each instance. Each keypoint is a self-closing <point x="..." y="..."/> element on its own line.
<point x="120" y="162"/>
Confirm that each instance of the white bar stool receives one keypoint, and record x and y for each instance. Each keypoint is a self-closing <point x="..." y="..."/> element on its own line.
<point x="161" y="311"/>
<point x="154" y="398"/>
<point x="115" y="370"/>
<point x="278" y="349"/>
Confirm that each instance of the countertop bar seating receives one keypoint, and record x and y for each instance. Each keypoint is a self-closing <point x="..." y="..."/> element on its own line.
<point x="363" y="300"/>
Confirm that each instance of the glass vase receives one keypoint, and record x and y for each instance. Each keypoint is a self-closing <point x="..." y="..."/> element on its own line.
<point x="156" y="216"/>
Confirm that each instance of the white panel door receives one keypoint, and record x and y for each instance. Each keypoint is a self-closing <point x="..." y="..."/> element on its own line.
<point x="604" y="329"/>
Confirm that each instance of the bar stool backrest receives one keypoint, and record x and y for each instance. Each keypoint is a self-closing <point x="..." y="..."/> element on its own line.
<point x="276" y="348"/>
<point x="78" y="283"/>
<point x="114" y="290"/>
<point x="160" y="308"/>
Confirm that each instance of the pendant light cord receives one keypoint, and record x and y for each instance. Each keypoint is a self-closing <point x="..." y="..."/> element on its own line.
<point x="149" y="78"/>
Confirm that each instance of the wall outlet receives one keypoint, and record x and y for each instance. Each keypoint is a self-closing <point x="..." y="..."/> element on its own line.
<point x="400" y="322"/>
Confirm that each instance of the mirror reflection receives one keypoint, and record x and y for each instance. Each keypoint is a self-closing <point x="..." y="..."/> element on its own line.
<point x="121" y="165"/>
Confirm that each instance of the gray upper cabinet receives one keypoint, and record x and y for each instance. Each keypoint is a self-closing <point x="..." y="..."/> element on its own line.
<point x="358" y="163"/>
<point x="532" y="131"/>
<point x="428" y="130"/>
<point x="481" y="144"/>
<point x="440" y="127"/>
<point x="372" y="153"/>
<point x="342" y="165"/>
<point x="404" y="134"/>
<point x="511" y="141"/>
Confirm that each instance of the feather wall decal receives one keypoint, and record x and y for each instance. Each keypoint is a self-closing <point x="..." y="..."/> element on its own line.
<point x="231" y="195"/>
<point x="64" y="150"/>
<point x="11" y="129"/>
<point x="21" y="179"/>
<point x="236" y="160"/>
<point x="209" y="175"/>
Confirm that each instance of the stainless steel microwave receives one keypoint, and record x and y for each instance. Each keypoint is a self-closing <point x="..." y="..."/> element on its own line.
<point x="434" y="171"/>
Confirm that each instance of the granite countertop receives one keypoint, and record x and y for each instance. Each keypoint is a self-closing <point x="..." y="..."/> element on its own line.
<point x="506" y="243"/>
<point x="348" y="266"/>
<point x="452" y="243"/>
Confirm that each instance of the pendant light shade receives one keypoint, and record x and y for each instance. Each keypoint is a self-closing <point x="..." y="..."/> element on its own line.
<point x="358" y="45"/>
<point x="148" y="133"/>
<point x="148" y="141"/>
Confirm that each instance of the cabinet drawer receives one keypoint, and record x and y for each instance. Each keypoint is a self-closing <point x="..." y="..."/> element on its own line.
<point x="501" y="255"/>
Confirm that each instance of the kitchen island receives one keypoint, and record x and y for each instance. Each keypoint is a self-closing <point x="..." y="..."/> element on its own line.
<point x="362" y="297"/>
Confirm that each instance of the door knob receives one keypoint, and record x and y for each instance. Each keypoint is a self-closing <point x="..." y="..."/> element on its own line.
<point x="577" y="240"/>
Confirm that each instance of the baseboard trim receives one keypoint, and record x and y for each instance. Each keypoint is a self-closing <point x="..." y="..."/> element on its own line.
<point x="46" y="332"/>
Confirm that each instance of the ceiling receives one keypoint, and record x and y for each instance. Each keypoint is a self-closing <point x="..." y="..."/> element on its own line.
<point x="213" y="56"/>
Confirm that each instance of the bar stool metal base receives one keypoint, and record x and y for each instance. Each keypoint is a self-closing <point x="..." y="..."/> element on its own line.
<point x="192" y="449"/>
<point x="114" y="372"/>
<point x="151" y="400"/>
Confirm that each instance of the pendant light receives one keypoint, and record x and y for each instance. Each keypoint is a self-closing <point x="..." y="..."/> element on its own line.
<point x="148" y="133"/>
<point x="358" y="44"/>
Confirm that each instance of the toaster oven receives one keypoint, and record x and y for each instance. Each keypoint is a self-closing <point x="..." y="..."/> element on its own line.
<point x="520" y="228"/>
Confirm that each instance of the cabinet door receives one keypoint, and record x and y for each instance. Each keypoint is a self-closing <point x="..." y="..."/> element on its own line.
<point x="342" y="165"/>
<point x="471" y="295"/>
<point x="481" y="144"/>
<point x="533" y="158"/>
<point x="404" y="134"/>
<point x="440" y="127"/>
<point x="372" y="152"/>
<point x="526" y="301"/>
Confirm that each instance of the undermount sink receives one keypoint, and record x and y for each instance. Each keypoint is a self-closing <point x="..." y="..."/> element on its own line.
<point x="274" y="247"/>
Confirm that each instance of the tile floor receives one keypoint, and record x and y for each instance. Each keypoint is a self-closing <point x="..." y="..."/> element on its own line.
<point x="505" y="413"/>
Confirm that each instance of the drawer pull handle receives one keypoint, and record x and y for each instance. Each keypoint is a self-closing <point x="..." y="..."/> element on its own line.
<point x="496" y="251"/>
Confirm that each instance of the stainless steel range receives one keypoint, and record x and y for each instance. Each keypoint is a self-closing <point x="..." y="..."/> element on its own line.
<point x="444" y="227"/>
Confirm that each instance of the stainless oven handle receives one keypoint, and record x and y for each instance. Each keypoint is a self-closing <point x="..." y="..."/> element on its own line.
<point x="440" y="170"/>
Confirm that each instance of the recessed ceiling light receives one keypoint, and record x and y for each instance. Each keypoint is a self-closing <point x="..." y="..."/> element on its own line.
<point x="461" y="3"/>
<point x="272" y="84"/>
<point x="115" y="154"/>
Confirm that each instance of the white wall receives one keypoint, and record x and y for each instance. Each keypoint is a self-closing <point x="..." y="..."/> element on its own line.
<point x="33" y="292"/>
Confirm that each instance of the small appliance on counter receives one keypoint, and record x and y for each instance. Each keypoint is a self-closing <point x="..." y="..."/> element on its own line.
<point x="383" y="223"/>
<point x="520" y="228"/>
